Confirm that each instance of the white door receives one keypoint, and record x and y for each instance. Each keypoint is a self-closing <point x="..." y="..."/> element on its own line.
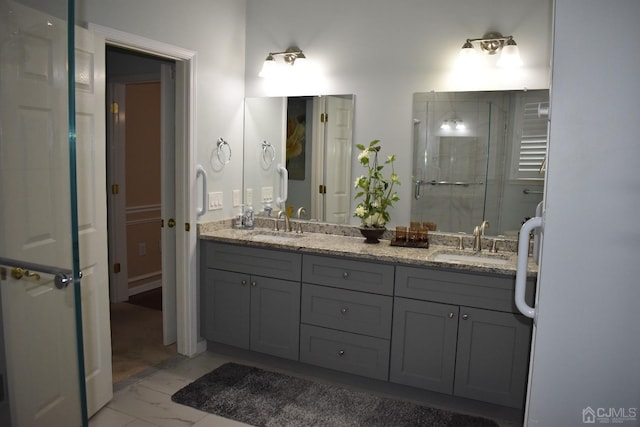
<point x="92" y="215"/>
<point x="169" y="155"/>
<point x="36" y="227"/>
<point x="338" y="142"/>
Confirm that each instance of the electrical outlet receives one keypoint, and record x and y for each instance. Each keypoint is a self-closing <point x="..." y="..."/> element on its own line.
<point x="249" y="197"/>
<point x="215" y="201"/>
<point x="267" y="194"/>
<point x="142" y="248"/>
<point x="236" y="198"/>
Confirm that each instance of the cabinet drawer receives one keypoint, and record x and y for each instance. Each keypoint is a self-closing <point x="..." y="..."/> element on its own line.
<point x="245" y="259"/>
<point x="474" y="290"/>
<point x="348" y="274"/>
<point x="350" y="311"/>
<point x="344" y="351"/>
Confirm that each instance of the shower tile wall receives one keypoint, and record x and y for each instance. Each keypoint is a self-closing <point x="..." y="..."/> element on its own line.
<point x="459" y="159"/>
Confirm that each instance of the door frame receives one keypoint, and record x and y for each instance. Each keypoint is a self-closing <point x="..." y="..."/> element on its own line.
<point x="185" y="122"/>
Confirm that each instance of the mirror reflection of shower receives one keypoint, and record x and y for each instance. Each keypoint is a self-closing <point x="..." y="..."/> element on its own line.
<point x="462" y="173"/>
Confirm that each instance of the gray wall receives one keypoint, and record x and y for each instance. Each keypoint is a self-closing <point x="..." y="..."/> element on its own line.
<point x="215" y="30"/>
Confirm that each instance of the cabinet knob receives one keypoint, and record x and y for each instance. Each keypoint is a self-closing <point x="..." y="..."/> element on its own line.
<point x="345" y="275"/>
<point x="341" y="353"/>
<point x="244" y="282"/>
<point x="253" y="283"/>
<point x="451" y="315"/>
<point x="344" y="310"/>
<point x="465" y="316"/>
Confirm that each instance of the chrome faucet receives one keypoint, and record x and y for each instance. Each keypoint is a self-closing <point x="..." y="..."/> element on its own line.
<point x="301" y="211"/>
<point x="287" y="225"/>
<point x="478" y="232"/>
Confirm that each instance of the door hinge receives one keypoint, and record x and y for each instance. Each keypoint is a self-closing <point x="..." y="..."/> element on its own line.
<point x="115" y="189"/>
<point x="116" y="267"/>
<point x="324" y="118"/>
<point x="322" y="189"/>
<point x="114" y="108"/>
<point x="187" y="226"/>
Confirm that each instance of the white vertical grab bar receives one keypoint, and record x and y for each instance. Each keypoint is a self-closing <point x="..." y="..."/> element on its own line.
<point x="521" y="269"/>
<point x="284" y="186"/>
<point x="201" y="172"/>
<point x="537" y="236"/>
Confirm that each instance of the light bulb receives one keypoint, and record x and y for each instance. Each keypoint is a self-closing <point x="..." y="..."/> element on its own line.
<point x="510" y="56"/>
<point x="268" y="68"/>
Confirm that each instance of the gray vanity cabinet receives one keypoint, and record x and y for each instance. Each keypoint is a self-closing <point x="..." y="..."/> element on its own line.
<point x="242" y="308"/>
<point x="438" y="344"/>
<point x="346" y="313"/>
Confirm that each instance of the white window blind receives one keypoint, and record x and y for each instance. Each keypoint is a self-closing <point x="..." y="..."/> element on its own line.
<point x="530" y="135"/>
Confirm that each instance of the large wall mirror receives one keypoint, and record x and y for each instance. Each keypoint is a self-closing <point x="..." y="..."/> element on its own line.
<point x="297" y="153"/>
<point x="478" y="156"/>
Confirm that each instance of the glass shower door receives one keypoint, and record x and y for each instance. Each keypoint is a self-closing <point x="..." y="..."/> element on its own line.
<point x="41" y="363"/>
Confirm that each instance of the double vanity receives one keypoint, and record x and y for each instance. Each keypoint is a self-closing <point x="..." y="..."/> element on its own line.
<point x="439" y="319"/>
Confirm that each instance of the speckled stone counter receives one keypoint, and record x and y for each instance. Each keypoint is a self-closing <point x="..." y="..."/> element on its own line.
<point x="333" y="240"/>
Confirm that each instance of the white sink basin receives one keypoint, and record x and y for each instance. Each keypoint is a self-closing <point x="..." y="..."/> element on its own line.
<point x="275" y="237"/>
<point x="485" y="258"/>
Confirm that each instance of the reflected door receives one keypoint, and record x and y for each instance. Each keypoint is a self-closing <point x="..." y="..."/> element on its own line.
<point x="41" y="376"/>
<point x="337" y="164"/>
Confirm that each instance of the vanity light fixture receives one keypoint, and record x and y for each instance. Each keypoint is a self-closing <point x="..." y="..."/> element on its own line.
<point x="292" y="56"/>
<point x="453" y="124"/>
<point x="490" y="44"/>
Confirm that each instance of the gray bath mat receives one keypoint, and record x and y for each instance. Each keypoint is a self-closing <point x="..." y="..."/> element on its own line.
<point x="262" y="398"/>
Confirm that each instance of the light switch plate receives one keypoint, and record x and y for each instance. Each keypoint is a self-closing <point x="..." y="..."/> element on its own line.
<point x="236" y="198"/>
<point x="215" y="201"/>
<point x="267" y="194"/>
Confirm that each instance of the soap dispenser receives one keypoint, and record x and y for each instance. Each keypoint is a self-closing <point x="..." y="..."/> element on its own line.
<point x="248" y="217"/>
<point x="238" y="219"/>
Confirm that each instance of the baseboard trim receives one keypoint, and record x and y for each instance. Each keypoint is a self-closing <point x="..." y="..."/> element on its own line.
<point x="146" y="287"/>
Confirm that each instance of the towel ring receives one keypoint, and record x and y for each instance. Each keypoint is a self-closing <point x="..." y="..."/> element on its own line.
<point x="220" y="151"/>
<point x="268" y="154"/>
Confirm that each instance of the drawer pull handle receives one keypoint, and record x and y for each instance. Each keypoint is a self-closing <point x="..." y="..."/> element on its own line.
<point x="344" y="310"/>
<point x="345" y="275"/>
<point x="253" y="283"/>
<point x="244" y="282"/>
<point x="451" y="315"/>
<point x="465" y="316"/>
<point x="341" y="353"/>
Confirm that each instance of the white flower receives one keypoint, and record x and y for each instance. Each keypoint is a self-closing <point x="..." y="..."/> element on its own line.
<point x="362" y="155"/>
<point x="360" y="211"/>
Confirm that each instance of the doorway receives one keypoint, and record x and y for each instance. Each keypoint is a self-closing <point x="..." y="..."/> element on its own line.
<point x="140" y="135"/>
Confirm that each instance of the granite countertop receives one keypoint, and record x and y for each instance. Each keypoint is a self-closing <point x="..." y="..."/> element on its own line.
<point x="442" y="251"/>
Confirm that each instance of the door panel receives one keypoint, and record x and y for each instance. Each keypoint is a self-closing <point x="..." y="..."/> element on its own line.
<point x="38" y="320"/>
<point x="92" y="216"/>
<point x="169" y="315"/>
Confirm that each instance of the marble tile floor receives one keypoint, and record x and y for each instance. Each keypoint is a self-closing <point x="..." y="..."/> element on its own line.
<point x="145" y="400"/>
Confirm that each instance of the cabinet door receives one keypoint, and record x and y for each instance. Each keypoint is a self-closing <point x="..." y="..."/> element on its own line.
<point x="423" y="347"/>
<point x="275" y="316"/>
<point x="493" y="356"/>
<point x="225" y="307"/>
